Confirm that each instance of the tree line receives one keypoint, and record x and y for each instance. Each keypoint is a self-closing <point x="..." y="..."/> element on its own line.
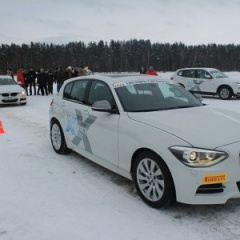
<point x="119" y="56"/>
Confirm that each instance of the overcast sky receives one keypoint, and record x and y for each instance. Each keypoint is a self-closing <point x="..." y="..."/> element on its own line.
<point x="165" y="21"/>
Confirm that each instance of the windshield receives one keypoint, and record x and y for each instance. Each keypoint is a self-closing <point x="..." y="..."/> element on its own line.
<point x="7" y="81"/>
<point x="154" y="96"/>
<point x="218" y="74"/>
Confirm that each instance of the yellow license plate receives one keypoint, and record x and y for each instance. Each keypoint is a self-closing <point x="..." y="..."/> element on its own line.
<point x="214" y="178"/>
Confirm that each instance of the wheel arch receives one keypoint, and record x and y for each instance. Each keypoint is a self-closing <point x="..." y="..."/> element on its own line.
<point x="53" y="119"/>
<point x="147" y="150"/>
<point x="140" y="150"/>
<point x="224" y="85"/>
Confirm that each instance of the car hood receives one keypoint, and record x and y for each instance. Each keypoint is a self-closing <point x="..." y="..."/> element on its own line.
<point x="10" y="88"/>
<point x="199" y="126"/>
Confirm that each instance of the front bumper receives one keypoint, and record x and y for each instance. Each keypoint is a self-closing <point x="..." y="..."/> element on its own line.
<point x="192" y="185"/>
<point x="13" y="98"/>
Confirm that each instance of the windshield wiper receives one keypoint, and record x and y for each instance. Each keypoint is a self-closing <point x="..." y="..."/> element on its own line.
<point x="179" y="107"/>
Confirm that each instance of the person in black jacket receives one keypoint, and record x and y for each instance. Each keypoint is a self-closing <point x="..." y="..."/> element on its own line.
<point x="60" y="77"/>
<point x="143" y="70"/>
<point x="50" y="81"/>
<point x="42" y="82"/>
<point x="31" y="77"/>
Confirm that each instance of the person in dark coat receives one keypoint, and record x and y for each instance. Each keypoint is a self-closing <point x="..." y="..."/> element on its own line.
<point x="51" y="80"/>
<point x="42" y="82"/>
<point x="60" y="77"/>
<point x="31" y="77"/>
<point x="143" y="70"/>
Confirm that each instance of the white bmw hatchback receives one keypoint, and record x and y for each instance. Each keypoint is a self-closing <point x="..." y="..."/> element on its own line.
<point x="156" y="133"/>
<point x="207" y="81"/>
<point x="11" y="92"/>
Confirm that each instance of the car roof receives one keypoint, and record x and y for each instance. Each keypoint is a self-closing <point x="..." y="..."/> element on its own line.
<point x="198" y="68"/>
<point x="5" y="76"/>
<point x="119" y="78"/>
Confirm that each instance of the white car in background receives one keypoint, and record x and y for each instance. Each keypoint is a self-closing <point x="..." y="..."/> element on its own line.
<point x="207" y="81"/>
<point x="153" y="132"/>
<point x="11" y="92"/>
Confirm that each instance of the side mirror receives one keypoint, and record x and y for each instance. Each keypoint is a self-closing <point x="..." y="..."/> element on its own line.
<point x="208" y="76"/>
<point x="103" y="106"/>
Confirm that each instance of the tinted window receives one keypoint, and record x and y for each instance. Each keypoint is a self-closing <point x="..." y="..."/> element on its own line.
<point x="201" y="74"/>
<point x="180" y="73"/>
<point x="75" y="90"/>
<point x="99" y="91"/>
<point x="189" y="73"/>
<point x="154" y="97"/>
<point x="67" y="91"/>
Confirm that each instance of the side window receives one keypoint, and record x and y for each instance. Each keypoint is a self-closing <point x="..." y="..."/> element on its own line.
<point x="67" y="91"/>
<point x="75" y="90"/>
<point x="180" y="73"/>
<point x="78" y="90"/>
<point x="99" y="91"/>
<point x="189" y="73"/>
<point x="201" y="74"/>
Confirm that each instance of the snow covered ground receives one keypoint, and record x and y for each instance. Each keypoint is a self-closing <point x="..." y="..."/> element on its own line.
<point x="46" y="196"/>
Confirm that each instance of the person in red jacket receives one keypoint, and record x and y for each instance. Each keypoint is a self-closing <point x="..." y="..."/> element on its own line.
<point x="151" y="71"/>
<point x="20" y="78"/>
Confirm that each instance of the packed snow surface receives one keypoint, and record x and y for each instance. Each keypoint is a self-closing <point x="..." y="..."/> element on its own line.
<point x="47" y="196"/>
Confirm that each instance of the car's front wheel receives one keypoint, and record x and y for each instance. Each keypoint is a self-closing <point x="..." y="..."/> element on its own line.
<point x="58" y="139"/>
<point x="153" y="180"/>
<point x="225" y="93"/>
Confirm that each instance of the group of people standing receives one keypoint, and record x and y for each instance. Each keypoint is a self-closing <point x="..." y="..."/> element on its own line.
<point x="30" y="79"/>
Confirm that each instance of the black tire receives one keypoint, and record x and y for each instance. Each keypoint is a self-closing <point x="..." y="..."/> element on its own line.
<point x="153" y="180"/>
<point x="57" y="138"/>
<point x="225" y="93"/>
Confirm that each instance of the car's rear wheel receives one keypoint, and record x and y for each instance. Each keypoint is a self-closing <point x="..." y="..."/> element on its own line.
<point x="225" y="93"/>
<point x="153" y="180"/>
<point x="58" y="139"/>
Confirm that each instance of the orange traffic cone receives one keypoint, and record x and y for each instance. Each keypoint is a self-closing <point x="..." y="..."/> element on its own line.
<point x="1" y="128"/>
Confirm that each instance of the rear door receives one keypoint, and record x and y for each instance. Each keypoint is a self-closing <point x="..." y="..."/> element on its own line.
<point x="72" y="108"/>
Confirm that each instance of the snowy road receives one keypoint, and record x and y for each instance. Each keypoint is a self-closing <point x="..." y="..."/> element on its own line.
<point x="46" y="196"/>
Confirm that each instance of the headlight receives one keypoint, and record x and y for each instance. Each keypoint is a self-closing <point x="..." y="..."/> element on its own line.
<point x="195" y="157"/>
<point x="238" y="84"/>
<point x="23" y="94"/>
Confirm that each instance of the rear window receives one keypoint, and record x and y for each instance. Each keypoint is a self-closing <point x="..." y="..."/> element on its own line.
<point x="188" y="73"/>
<point x="180" y="73"/>
<point x="75" y="90"/>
